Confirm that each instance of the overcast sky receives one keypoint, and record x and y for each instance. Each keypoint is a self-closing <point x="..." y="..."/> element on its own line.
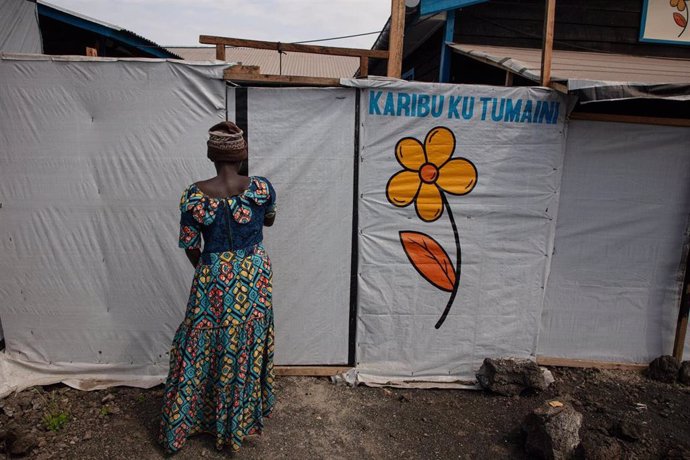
<point x="180" y="22"/>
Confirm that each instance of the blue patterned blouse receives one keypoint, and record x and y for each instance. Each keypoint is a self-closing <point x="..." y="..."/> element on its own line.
<point x="227" y="224"/>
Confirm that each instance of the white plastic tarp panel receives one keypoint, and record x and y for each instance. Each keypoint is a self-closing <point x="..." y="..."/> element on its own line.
<point x="93" y="159"/>
<point x="613" y="293"/>
<point x="19" y="31"/>
<point x="302" y="139"/>
<point x="506" y="227"/>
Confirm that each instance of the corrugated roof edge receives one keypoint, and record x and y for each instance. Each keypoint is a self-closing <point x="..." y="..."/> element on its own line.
<point x="146" y="43"/>
<point x="74" y="58"/>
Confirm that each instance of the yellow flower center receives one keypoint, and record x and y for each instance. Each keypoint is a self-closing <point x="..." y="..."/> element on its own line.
<point x="428" y="173"/>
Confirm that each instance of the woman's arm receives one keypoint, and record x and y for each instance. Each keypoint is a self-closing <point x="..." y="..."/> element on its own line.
<point x="193" y="255"/>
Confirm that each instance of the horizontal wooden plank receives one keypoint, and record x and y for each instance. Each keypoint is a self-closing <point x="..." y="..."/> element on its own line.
<point x="565" y="362"/>
<point x="244" y="69"/>
<point x="313" y="371"/>
<point x="292" y="47"/>
<point x="605" y="117"/>
<point x="280" y="79"/>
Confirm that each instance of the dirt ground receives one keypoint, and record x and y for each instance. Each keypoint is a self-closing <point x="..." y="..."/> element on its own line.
<point x="315" y="418"/>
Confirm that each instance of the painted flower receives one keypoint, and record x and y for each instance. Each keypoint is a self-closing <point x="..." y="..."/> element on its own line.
<point x="428" y="171"/>
<point x="680" y="4"/>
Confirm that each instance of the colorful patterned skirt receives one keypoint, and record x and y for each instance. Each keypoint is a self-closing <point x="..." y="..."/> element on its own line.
<point x="221" y="363"/>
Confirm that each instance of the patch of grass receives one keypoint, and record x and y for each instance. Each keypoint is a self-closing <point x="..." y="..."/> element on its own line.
<point x="55" y="420"/>
<point x="140" y="398"/>
<point x="55" y="417"/>
<point x="105" y="411"/>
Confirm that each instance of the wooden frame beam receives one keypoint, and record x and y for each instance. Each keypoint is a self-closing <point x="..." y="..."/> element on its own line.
<point x="682" y="122"/>
<point x="567" y="362"/>
<point x="292" y="80"/>
<point x="311" y="371"/>
<point x="292" y="47"/>
<point x="547" y="42"/>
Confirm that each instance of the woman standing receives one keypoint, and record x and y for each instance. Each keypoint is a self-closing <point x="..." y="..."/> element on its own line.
<point x="221" y="363"/>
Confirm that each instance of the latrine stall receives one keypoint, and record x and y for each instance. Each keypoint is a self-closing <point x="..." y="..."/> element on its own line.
<point x="422" y="227"/>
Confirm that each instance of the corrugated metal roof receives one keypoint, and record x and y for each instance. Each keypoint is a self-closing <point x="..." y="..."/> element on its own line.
<point x="269" y="62"/>
<point x="578" y="65"/>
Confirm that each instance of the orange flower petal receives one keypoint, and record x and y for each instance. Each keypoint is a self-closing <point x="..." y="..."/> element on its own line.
<point x="457" y="177"/>
<point x="439" y="145"/>
<point x="429" y="204"/>
<point x="402" y="188"/>
<point x="410" y="153"/>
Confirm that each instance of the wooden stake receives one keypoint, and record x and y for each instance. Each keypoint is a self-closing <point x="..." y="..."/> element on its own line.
<point x="682" y="324"/>
<point x="220" y="52"/>
<point x="396" y="38"/>
<point x="547" y="43"/>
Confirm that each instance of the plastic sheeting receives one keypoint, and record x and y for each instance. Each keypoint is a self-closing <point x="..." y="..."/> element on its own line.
<point x="616" y="276"/>
<point x="94" y="155"/>
<point x="303" y="140"/>
<point x="19" y="31"/>
<point x="506" y="226"/>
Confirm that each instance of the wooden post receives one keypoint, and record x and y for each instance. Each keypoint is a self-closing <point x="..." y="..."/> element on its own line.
<point x="547" y="42"/>
<point x="363" y="66"/>
<point x="509" y="78"/>
<point x="396" y="38"/>
<point x="220" y="52"/>
<point x="682" y="324"/>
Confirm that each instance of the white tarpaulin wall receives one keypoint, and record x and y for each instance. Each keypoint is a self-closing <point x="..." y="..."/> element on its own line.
<point x="303" y="140"/>
<point x="614" y="289"/>
<point x="515" y="138"/>
<point x="93" y="160"/>
<point x="19" y="31"/>
<point x="94" y="155"/>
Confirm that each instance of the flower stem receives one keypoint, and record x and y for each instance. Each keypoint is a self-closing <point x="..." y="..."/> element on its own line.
<point x="458" y="261"/>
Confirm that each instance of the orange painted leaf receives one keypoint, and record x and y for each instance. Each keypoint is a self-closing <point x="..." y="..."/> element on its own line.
<point x="680" y="19"/>
<point x="429" y="259"/>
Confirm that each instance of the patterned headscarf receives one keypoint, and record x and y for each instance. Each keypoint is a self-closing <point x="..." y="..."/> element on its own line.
<point x="226" y="142"/>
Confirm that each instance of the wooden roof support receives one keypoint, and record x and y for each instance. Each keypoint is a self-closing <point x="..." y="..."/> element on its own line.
<point x="220" y="52"/>
<point x="396" y="38"/>
<point x="547" y="42"/>
<point x="292" y="47"/>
